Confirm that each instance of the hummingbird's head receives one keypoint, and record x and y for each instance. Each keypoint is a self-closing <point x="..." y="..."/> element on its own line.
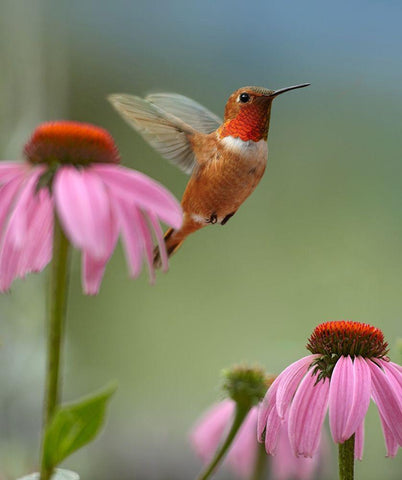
<point x="248" y="110"/>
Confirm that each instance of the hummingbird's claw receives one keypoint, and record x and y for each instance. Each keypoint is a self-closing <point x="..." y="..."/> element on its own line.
<point x="212" y="219"/>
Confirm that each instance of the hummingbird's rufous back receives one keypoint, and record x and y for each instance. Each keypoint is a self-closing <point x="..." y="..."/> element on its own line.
<point x="226" y="159"/>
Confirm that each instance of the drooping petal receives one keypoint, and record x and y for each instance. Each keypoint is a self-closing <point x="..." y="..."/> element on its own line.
<point x="274" y="423"/>
<point x="131" y="235"/>
<point x="285" y="465"/>
<point x="142" y="191"/>
<point x="92" y="273"/>
<point x="394" y="365"/>
<point x="282" y="462"/>
<point x="394" y="371"/>
<point x="209" y="430"/>
<point x="84" y="209"/>
<point x="14" y="236"/>
<point x="243" y="452"/>
<point x="9" y="260"/>
<point x="93" y="268"/>
<point x="17" y="225"/>
<point x="349" y="396"/>
<point x="37" y="250"/>
<point x="8" y="195"/>
<point x="340" y="396"/>
<point x="391" y="443"/>
<point x="361" y="398"/>
<point x="159" y="239"/>
<point x="137" y="237"/>
<point x="359" y="441"/>
<point x="387" y="396"/>
<point x="289" y="380"/>
<point x="266" y="406"/>
<point x="148" y="245"/>
<point x="306" y="415"/>
<point x="11" y="170"/>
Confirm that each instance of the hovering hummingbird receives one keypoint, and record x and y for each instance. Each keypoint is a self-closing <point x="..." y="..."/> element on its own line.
<point x="226" y="159"/>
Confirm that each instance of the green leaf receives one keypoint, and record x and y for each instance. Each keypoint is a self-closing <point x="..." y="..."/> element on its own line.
<point x="74" y="425"/>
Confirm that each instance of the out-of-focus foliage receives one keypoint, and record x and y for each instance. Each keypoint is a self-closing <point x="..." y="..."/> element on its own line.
<point x="320" y="239"/>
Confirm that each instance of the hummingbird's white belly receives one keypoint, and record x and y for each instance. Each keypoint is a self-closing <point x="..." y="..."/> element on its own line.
<point x="250" y="149"/>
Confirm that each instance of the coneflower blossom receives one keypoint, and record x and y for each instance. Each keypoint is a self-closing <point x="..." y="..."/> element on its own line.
<point x="71" y="171"/>
<point x="348" y="365"/>
<point x="212" y="428"/>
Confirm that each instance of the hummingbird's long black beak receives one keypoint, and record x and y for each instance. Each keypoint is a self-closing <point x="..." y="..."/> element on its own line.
<point x="283" y="90"/>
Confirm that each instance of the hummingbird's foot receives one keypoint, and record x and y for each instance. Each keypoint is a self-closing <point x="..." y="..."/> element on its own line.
<point x="228" y="217"/>
<point x="212" y="219"/>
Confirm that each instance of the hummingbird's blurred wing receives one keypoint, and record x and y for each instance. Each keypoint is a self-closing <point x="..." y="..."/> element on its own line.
<point x="190" y="111"/>
<point x="163" y="130"/>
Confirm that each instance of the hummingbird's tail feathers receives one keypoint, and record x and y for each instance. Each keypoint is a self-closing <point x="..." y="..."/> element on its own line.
<point x="188" y="110"/>
<point x="174" y="238"/>
<point x="165" y="132"/>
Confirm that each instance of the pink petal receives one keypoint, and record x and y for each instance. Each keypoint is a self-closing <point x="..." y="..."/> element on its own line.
<point x="160" y="240"/>
<point x="8" y="195"/>
<point x="136" y="236"/>
<point x="243" y="452"/>
<point x="390" y="440"/>
<point x="209" y="430"/>
<point x="148" y="245"/>
<point x="304" y="468"/>
<point x="37" y="250"/>
<point x="268" y="420"/>
<point x="386" y="394"/>
<point x="359" y="441"/>
<point x="274" y="423"/>
<point x="17" y="225"/>
<point x="266" y="406"/>
<point x="92" y="273"/>
<point x="289" y="380"/>
<point x="394" y="365"/>
<point x="14" y="237"/>
<point x="307" y="414"/>
<point x="349" y="397"/>
<point x="285" y="465"/>
<point x="131" y="235"/>
<point x="9" y="260"/>
<point x="140" y="190"/>
<point x="84" y="209"/>
<point x="12" y="170"/>
<point x="93" y="268"/>
<point x="393" y="370"/>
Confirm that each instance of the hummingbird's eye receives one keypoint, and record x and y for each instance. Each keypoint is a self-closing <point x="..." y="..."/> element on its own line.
<point x="244" y="97"/>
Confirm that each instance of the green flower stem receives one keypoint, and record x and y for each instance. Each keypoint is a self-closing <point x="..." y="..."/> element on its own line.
<point x="347" y="459"/>
<point x="240" y="414"/>
<point x="55" y="320"/>
<point x="261" y="462"/>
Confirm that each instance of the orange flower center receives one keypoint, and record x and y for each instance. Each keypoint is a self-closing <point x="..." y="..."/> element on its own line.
<point x="348" y="338"/>
<point x="71" y="142"/>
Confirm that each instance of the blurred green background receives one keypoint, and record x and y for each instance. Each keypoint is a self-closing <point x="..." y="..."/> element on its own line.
<point x="320" y="239"/>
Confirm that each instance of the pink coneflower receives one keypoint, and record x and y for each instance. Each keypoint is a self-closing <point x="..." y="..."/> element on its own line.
<point x="348" y="365"/>
<point x="212" y="428"/>
<point x="71" y="171"/>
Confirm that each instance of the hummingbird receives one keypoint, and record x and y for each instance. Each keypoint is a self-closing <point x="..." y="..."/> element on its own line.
<point x="225" y="159"/>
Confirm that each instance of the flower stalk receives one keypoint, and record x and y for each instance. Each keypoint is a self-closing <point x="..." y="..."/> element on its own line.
<point x="346" y="456"/>
<point x="58" y="285"/>
<point x="240" y="414"/>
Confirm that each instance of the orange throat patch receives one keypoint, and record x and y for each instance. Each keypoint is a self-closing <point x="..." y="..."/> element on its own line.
<point x="251" y="123"/>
